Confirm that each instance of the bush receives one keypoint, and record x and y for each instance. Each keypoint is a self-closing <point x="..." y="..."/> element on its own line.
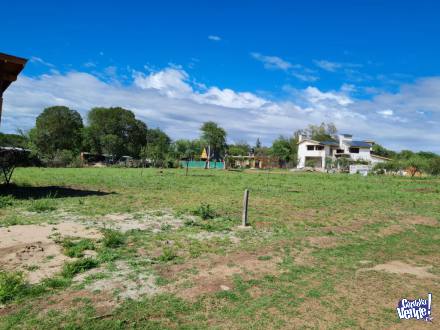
<point x="75" y="249"/>
<point x="113" y="238"/>
<point x="70" y="269"/>
<point x="205" y="212"/>
<point x="11" y="286"/>
<point x="168" y="254"/>
<point x="6" y="201"/>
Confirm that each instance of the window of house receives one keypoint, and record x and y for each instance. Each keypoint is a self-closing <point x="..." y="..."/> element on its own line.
<point x="310" y="147"/>
<point x="319" y="148"/>
<point x="339" y="151"/>
<point x="354" y="150"/>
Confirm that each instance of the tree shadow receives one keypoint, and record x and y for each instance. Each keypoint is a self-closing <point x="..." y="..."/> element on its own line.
<point x="24" y="192"/>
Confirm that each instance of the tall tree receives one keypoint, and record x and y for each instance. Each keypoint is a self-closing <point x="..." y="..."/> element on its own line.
<point x="157" y="147"/>
<point x="57" y="128"/>
<point x="115" y="131"/>
<point x="214" y="136"/>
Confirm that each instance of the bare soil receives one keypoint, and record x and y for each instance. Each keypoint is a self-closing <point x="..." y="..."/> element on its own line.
<point x="33" y="250"/>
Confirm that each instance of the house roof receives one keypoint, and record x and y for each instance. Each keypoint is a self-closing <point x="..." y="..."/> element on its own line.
<point x="330" y="143"/>
<point x="10" y="67"/>
<point x="359" y="144"/>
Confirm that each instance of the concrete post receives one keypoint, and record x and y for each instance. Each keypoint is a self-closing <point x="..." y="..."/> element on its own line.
<point x="244" y="217"/>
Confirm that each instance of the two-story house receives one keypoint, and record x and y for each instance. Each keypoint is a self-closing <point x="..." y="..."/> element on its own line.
<point x="314" y="153"/>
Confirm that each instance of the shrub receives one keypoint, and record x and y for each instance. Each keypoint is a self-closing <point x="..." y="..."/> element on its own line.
<point x="113" y="238"/>
<point x="75" y="249"/>
<point x="70" y="269"/>
<point x="6" y="201"/>
<point x="42" y="205"/>
<point x="168" y="254"/>
<point x="205" y="212"/>
<point x="11" y="285"/>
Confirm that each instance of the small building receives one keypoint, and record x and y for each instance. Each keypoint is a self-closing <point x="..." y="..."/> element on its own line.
<point x="315" y="154"/>
<point x="253" y="161"/>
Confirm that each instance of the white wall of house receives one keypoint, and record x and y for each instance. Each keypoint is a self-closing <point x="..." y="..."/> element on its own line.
<point x="345" y="142"/>
<point x="304" y="153"/>
<point x="364" y="154"/>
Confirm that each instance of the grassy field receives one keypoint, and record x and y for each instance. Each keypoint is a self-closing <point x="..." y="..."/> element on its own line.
<point x="153" y="249"/>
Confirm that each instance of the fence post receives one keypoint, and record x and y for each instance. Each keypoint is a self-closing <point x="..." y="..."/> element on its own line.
<point x="244" y="217"/>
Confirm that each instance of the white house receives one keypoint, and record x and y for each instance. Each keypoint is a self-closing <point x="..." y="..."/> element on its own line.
<point x="314" y="153"/>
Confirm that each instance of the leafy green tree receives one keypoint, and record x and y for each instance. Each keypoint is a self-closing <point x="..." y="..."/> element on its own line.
<point x="258" y="144"/>
<point x="214" y="136"/>
<point x="13" y="140"/>
<point x="239" y="149"/>
<point x="282" y="149"/>
<point x="157" y="147"/>
<point x="382" y="151"/>
<point x="57" y="128"/>
<point x="115" y="131"/>
<point x="323" y="132"/>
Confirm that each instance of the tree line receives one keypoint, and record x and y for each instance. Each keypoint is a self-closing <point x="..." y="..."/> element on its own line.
<point x="60" y="134"/>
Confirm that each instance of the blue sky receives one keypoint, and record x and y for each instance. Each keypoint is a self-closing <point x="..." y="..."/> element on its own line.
<point x="259" y="68"/>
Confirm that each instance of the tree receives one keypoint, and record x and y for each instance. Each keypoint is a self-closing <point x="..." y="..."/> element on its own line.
<point x="282" y="149"/>
<point x="258" y="144"/>
<point x="13" y="140"/>
<point x="323" y="132"/>
<point x="157" y="147"/>
<point x="57" y="128"/>
<point x="215" y="137"/>
<point x="115" y="131"/>
<point x="239" y="149"/>
<point x="382" y="151"/>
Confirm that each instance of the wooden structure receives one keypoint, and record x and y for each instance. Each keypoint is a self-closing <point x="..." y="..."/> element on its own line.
<point x="254" y="161"/>
<point x="10" y="68"/>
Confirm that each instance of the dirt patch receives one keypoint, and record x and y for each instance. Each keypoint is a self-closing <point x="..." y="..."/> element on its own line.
<point x="424" y="190"/>
<point x="124" y="282"/>
<point x="156" y="221"/>
<point x="399" y="267"/>
<point x="68" y="300"/>
<point x="344" y="229"/>
<point x="215" y="273"/>
<point x="304" y="257"/>
<point x="206" y="235"/>
<point x="32" y="248"/>
<point x="324" y="241"/>
<point x="407" y="223"/>
<point x="421" y="220"/>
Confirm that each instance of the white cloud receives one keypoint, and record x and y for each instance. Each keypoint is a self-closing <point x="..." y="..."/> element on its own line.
<point x="214" y="38"/>
<point x="272" y="62"/>
<point x="277" y="63"/>
<point x="327" y="65"/>
<point x="39" y="60"/>
<point x="171" y="100"/>
<point x="386" y="113"/>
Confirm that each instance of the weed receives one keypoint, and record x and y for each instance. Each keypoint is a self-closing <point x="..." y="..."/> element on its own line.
<point x="75" y="249"/>
<point x="205" y="212"/>
<point x="42" y="205"/>
<point x="6" y="201"/>
<point x="113" y="238"/>
<point x="70" y="269"/>
<point x="168" y="254"/>
<point x="12" y="285"/>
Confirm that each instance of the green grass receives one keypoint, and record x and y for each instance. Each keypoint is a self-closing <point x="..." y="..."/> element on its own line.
<point x="293" y="216"/>
<point x="72" y="268"/>
<point x="75" y="248"/>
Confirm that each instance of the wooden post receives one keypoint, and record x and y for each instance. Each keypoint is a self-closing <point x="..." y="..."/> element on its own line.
<point x="1" y="106"/>
<point x="244" y="218"/>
